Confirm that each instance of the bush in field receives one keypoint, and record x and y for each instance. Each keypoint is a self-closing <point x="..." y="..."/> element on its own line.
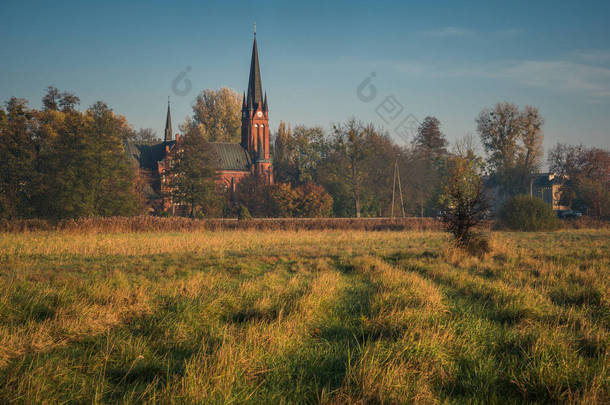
<point x="464" y="205"/>
<point x="525" y="213"/>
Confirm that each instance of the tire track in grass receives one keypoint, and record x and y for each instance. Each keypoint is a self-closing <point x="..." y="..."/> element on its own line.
<point x="504" y="349"/>
<point x="314" y="363"/>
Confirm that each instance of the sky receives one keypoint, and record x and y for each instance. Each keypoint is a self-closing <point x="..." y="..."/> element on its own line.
<point x="390" y="63"/>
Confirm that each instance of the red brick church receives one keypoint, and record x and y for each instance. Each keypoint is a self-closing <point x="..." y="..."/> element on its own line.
<point x="234" y="161"/>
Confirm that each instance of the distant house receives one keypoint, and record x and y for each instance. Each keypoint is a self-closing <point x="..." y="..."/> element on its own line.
<point x="234" y="161"/>
<point x="546" y="186"/>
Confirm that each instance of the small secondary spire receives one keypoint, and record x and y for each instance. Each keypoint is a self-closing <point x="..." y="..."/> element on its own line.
<point x="168" y="124"/>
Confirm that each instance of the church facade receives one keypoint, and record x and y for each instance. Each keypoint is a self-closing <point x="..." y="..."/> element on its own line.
<point x="234" y="161"/>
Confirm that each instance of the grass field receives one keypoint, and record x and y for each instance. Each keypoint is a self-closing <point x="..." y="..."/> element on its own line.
<point x="303" y="317"/>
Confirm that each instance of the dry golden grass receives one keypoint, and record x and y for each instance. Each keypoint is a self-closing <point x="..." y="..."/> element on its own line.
<point x="303" y="317"/>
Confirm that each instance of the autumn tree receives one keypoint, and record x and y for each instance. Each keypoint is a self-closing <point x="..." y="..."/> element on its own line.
<point x="193" y="177"/>
<point x="253" y="193"/>
<point x="282" y="200"/>
<point x="312" y="201"/>
<point x="513" y="141"/>
<point x="463" y="203"/>
<point x="217" y="115"/>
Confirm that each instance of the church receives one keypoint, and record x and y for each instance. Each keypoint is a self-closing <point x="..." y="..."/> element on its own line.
<point x="234" y="161"/>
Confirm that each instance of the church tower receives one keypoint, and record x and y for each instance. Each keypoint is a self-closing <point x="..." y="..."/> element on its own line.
<point x="255" y="121"/>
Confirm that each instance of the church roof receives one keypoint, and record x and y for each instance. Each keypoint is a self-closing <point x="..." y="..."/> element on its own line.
<point x="231" y="156"/>
<point x="148" y="156"/>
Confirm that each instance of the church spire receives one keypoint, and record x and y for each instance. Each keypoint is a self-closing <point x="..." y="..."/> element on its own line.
<point x="168" y="124"/>
<point x="255" y="88"/>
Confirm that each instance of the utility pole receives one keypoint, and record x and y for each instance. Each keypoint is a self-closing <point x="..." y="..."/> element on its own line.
<point x="397" y="177"/>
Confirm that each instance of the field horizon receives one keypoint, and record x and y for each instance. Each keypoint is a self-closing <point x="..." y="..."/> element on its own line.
<point x="338" y="316"/>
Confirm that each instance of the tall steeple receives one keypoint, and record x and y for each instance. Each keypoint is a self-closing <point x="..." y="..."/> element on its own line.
<point x="168" y="124"/>
<point x="255" y="121"/>
<point x="255" y="88"/>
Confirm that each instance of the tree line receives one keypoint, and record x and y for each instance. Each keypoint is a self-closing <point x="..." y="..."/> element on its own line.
<point x="59" y="162"/>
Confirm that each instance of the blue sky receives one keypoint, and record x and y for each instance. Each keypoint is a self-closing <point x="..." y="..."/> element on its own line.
<point x="448" y="59"/>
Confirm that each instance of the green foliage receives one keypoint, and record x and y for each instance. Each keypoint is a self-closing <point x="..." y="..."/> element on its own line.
<point x="243" y="213"/>
<point x="525" y="213"/>
<point x="18" y="176"/>
<point x="193" y="177"/>
<point x="296" y="156"/>
<point x="62" y="163"/>
<point x="88" y="169"/>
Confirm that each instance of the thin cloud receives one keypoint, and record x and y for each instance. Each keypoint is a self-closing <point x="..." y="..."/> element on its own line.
<point x="578" y="77"/>
<point x="592" y="81"/>
<point x="449" y="32"/>
<point x="593" y="55"/>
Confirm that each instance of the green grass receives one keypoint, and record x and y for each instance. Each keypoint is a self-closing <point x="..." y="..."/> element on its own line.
<point x="303" y="317"/>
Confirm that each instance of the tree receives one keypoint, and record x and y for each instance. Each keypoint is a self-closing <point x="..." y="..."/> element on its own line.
<point x="216" y="114"/>
<point x="54" y="100"/>
<point x="146" y="136"/>
<point x="193" y="177"/>
<point x="429" y="138"/>
<point x="253" y="193"/>
<point x="312" y="201"/>
<point x="50" y="101"/>
<point x="282" y="148"/>
<point x="513" y="142"/>
<point x="345" y="168"/>
<point x="297" y="155"/>
<point x="282" y="200"/>
<point x="17" y="159"/>
<point x="586" y="174"/>
<point x="87" y="170"/>
<point x="463" y="203"/>
<point x="68" y="101"/>
<point x="428" y="155"/>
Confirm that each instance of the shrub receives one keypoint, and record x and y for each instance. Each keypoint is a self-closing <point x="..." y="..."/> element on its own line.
<point x="525" y="213"/>
<point x="244" y="213"/>
<point x="477" y="244"/>
<point x="464" y="205"/>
